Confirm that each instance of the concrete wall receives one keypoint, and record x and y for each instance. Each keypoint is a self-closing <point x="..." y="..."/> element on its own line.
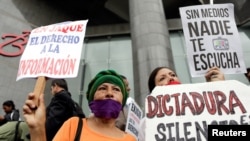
<point x="17" y="16"/>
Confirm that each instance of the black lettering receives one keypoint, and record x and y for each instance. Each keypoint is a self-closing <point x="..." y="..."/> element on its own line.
<point x="204" y="28"/>
<point x="192" y="14"/>
<point x="196" y="62"/>
<point x="133" y="129"/>
<point x="193" y="29"/>
<point x="169" y="127"/>
<point x="219" y="59"/>
<point x="214" y="27"/>
<point x="187" y="133"/>
<point x="201" y="130"/>
<point x="209" y="28"/>
<point x="177" y="131"/>
<point x="161" y="136"/>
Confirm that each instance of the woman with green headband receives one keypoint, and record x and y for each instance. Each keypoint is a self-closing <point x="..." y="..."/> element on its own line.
<point x="106" y="96"/>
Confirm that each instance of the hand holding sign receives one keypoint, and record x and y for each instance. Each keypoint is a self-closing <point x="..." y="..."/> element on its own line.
<point x="52" y="51"/>
<point x="214" y="74"/>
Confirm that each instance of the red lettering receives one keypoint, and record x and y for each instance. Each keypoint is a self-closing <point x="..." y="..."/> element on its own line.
<point x="233" y="97"/>
<point x="152" y="101"/>
<point x="160" y="113"/>
<point x="67" y="28"/>
<point x="211" y="109"/>
<point x="186" y="103"/>
<point x="220" y="99"/>
<point x="198" y="99"/>
<point x="177" y="104"/>
<point x="215" y="102"/>
<point x="48" y="65"/>
<point x="165" y="100"/>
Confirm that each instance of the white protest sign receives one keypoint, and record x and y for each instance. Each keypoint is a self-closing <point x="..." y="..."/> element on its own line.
<point x="53" y="51"/>
<point x="212" y="39"/>
<point x="183" y="112"/>
<point x="133" y="119"/>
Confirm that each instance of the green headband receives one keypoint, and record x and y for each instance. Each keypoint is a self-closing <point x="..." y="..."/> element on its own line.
<point x="107" y="76"/>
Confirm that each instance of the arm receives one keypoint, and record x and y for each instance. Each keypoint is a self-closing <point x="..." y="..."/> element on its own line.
<point x="35" y="117"/>
<point x="214" y="74"/>
<point x="1" y="118"/>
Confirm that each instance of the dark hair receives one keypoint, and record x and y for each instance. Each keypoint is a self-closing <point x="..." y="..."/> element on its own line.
<point x="151" y="80"/>
<point x="61" y="83"/>
<point x="9" y="103"/>
<point x="123" y="77"/>
<point x="248" y="70"/>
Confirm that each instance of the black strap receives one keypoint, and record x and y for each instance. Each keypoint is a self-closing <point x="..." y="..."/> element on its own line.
<point x="16" y="131"/>
<point x="79" y="130"/>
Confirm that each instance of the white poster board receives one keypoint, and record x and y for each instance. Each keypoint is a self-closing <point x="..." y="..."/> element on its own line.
<point x="183" y="112"/>
<point x="53" y="51"/>
<point x="133" y="119"/>
<point x="212" y="39"/>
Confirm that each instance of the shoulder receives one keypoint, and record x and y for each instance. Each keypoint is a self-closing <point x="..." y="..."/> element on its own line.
<point x="71" y="123"/>
<point x="68" y="129"/>
<point x="64" y="95"/>
<point x="130" y="137"/>
<point x="74" y="120"/>
<point x="15" y="111"/>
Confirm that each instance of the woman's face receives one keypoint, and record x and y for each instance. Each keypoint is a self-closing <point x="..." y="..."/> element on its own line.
<point x="108" y="91"/>
<point x="165" y="76"/>
<point x="7" y="109"/>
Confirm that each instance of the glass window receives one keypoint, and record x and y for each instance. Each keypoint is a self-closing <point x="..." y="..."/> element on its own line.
<point x="101" y="54"/>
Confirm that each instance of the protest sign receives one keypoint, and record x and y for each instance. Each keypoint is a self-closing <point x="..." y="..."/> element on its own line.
<point x="133" y="119"/>
<point x="212" y="39"/>
<point x="183" y="112"/>
<point x="52" y="51"/>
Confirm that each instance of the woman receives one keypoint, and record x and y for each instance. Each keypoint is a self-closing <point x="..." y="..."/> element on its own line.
<point x="161" y="76"/>
<point x="11" y="113"/>
<point x="165" y="76"/>
<point x="106" y="96"/>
